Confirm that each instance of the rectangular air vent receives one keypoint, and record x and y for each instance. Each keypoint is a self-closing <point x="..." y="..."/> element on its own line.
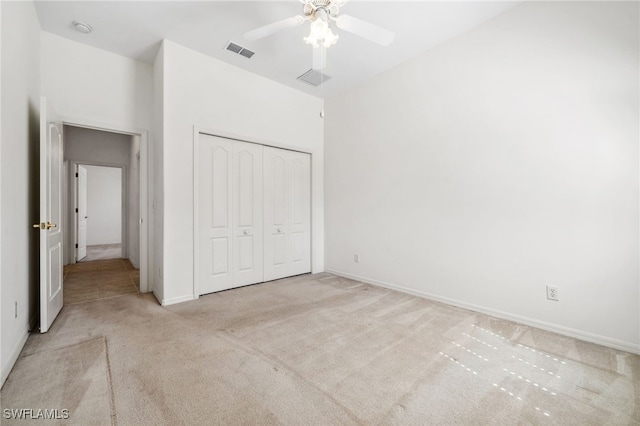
<point x="246" y="53"/>
<point x="236" y="48"/>
<point x="313" y="77"/>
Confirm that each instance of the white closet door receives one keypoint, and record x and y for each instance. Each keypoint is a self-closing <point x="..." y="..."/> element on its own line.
<point x="300" y="225"/>
<point x="276" y="212"/>
<point x="247" y="214"/>
<point x="215" y="214"/>
<point x="287" y="213"/>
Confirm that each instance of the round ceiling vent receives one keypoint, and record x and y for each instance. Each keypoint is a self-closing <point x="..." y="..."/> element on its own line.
<point x="82" y="27"/>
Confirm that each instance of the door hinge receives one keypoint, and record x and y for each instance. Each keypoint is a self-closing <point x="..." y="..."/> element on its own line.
<point x="76" y="175"/>
<point x="76" y="210"/>
<point x="76" y="246"/>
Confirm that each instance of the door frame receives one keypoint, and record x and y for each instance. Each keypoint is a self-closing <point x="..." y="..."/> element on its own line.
<point x="196" y="177"/>
<point x="145" y="264"/>
<point x="124" y="211"/>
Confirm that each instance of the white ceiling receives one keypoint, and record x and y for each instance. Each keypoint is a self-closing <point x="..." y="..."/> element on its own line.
<point x="136" y="28"/>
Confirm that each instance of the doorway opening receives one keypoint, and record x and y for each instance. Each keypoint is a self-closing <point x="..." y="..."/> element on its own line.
<point x="105" y="203"/>
<point x="100" y="213"/>
<point x="64" y="145"/>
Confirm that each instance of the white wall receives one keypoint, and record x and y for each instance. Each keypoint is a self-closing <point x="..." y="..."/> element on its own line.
<point x="95" y="146"/>
<point x="3" y="373"/>
<point x="96" y="86"/>
<point x="502" y="161"/>
<point x="201" y="91"/>
<point x="104" y="205"/>
<point x="20" y="87"/>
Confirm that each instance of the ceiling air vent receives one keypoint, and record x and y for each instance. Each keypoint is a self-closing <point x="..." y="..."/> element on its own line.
<point x="246" y="53"/>
<point x="313" y="77"/>
<point x="236" y="48"/>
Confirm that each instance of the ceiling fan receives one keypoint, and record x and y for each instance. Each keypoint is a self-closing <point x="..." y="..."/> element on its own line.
<point x="321" y="13"/>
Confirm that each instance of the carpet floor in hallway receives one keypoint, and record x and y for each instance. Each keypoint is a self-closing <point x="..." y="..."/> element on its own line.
<point x="99" y="279"/>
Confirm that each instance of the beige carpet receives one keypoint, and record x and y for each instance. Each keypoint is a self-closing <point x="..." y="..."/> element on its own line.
<point x="99" y="279"/>
<point x="78" y="382"/>
<point x="319" y="349"/>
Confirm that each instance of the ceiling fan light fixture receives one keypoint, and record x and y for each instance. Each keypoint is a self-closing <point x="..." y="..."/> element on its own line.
<point x="318" y="28"/>
<point x="321" y="33"/>
<point x="330" y="38"/>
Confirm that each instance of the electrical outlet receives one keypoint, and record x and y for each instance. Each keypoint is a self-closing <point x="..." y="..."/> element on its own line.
<point x="15" y="309"/>
<point x="356" y="258"/>
<point x="552" y="293"/>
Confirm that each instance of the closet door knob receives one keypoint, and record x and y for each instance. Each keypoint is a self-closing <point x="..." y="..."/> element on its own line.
<point x="279" y="230"/>
<point x="246" y="232"/>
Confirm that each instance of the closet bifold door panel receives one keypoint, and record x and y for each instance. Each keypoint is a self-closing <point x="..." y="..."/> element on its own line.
<point x="230" y="214"/>
<point x="247" y="214"/>
<point x="215" y="214"/>
<point x="287" y="213"/>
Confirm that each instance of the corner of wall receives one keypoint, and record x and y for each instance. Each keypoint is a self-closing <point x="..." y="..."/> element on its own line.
<point x="156" y="175"/>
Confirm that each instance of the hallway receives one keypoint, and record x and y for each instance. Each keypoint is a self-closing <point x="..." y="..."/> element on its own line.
<point x="103" y="252"/>
<point x="99" y="279"/>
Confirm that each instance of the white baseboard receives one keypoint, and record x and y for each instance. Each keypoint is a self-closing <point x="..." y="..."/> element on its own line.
<point x="180" y="299"/>
<point x="15" y="353"/>
<point x="565" y="331"/>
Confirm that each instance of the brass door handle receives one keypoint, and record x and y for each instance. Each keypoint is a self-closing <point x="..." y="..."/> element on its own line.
<point x="43" y="225"/>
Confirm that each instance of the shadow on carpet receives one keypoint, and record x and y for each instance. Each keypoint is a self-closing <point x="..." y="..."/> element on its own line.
<point x="77" y="391"/>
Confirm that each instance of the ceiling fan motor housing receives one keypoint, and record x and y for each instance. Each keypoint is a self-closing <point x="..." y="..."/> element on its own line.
<point x="331" y="7"/>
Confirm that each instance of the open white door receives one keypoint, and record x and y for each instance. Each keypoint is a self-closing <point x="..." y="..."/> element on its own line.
<point x="50" y="216"/>
<point x="81" y="212"/>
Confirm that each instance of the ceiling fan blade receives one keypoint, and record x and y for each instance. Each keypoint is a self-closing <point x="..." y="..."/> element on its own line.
<point x="319" y="57"/>
<point x="365" y="30"/>
<point x="267" y="30"/>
